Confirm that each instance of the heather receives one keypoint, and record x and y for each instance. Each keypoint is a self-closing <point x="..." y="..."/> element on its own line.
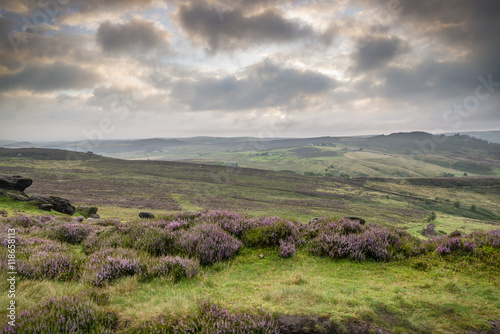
<point x="111" y="264"/>
<point x="349" y="239"/>
<point x="72" y="233"/>
<point x="209" y="243"/>
<point x="183" y="258"/>
<point x="64" y="315"/>
<point x="214" y="319"/>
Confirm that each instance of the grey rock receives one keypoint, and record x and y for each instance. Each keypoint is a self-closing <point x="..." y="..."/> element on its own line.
<point x="38" y="200"/>
<point x="59" y="204"/>
<point x="94" y="216"/>
<point x="429" y="230"/>
<point x="14" y="182"/>
<point x="313" y="220"/>
<point x="146" y="215"/>
<point x="352" y="218"/>
<point x="17" y="196"/>
<point x="45" y="207"/>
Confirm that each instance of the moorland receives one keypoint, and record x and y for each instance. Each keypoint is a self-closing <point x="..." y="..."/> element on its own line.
<point x="133" y="275"/>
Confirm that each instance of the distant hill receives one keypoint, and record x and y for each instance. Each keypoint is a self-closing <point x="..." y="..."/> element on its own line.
<point x="491" y="136"/>
<point x="410" y="154"/>
<point x="46" y="154"/>
<point x="415" y="143"/>
<point x="18" y="144"/>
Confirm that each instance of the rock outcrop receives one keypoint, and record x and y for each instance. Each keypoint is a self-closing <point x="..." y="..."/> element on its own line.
<point x="361" y="220"/>
<point x="14" y="182"/>
<point x="146" y="215"/>
<point x="429" y="230"/>
<point x="55" y="203"/>
<point x="13" y="186"/>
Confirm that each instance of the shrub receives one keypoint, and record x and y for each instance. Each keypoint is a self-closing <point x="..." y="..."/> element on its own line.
<point x="110" y="264"/>
<point x="473" y="208"/>
<point x="157" y="242"/>
<point x="166" y="224"/>
<point x="64" y="315"/>
<point x="118" y="236"/>
<point x="50" y="265"/>
<point x="268" y="231"/>
<point x="214" y="319"/>
<point x="350" y="239"/>
<point x="45" y="259"/>
<point x="230" y="222"/>
<point x="209" y="243"/>
<point x="456" y="204"/>
<point x="431" y="217"/>
<point x="456" y="245"/>
<point x="287" y="248"/>
<point x="173" y="266"/>
<point x="25" y="221"/>
<point x="72" y="233"/>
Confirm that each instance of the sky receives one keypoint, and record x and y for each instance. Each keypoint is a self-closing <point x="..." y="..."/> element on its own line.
<point x="123" y="69"/>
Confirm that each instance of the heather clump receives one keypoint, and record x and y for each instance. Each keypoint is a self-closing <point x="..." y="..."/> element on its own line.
<point x="123" y="235"/>
<point x="270" y="231"/>
<point x="287" y="248"/>
<point x="172" y="266"/>
<point x="231" y="222"/>
<point x="111" y="264"/>
<point x="50" y="265"/>
<point x="72" y="233"/>
<point x="64" y="315"/>
<point x="172" y="225"/>
<point x="40" y="259"/>
<point x="26" y="221"/>
<point x="457" y="243"/>
<point x="157" y="241"/>
<point x="209" y="243"/>
<point x="350" y="239"/>
<point x="215" y="319"/>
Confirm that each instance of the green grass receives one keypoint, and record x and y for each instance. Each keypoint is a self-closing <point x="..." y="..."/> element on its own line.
<point x="441" y="299"/>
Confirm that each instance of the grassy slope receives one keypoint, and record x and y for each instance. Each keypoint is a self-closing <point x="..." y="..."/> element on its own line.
<point x="121" y="188"/>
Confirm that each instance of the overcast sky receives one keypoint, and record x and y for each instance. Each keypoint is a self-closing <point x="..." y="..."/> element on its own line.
<point x="87" y="69"/>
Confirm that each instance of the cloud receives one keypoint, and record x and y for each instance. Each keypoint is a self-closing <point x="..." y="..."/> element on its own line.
<point x="55" y="76"/>
<point x="263" y="85"/>
<point x="228" y="28"/>
<point x="376" y="52"/>
<point x="134" y="36"/>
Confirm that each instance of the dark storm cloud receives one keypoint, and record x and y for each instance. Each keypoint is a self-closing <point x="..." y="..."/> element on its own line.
<point x="134" y="36"/>
<point x="376" y="52"/>
<point x="265" y="85"/>
<point x="228" y="29"/>
<point x="469" y="27"/>
<point x="457" y="44"/>
<point x="29" y="7"/>
<point x="58" y="75"/>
